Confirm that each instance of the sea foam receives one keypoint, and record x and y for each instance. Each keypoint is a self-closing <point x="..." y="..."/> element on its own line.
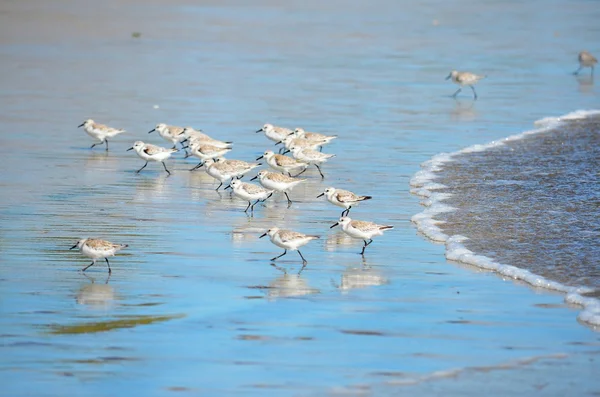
<point x="423" y="184"/>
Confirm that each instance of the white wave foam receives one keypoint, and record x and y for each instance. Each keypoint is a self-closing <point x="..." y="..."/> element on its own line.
<point x="423" y="183"/>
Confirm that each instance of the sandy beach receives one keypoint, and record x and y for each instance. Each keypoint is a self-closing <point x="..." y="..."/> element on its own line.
<point x="193" y="305"/>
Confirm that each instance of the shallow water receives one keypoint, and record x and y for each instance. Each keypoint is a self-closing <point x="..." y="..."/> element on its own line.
<point x="193" y="304"/>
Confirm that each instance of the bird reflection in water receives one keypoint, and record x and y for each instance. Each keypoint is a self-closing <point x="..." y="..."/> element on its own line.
<point x="463" y="111"/>
<point x="338" y="239"/>
<point x="289" y="285"/>
<point x="360" y="277"/>
<point x="586" y="83"/>
<point x="96" y="295"/>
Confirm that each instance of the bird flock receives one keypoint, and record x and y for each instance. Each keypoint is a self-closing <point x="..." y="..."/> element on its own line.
<point x="305" y="148"/>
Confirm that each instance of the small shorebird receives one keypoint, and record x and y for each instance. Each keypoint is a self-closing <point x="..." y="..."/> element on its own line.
<point x="249" y="192"/>
<point x="97" y="249"/>
<point x="274" y="133"/>
<point x="99" y="131"/>
<point x="278" y="182"/>
<point x="343" y="198"/>
<point x="361" y="230"/>
<point x="205" y="151"/>
<point x="282" y="163"/>
<point x="193" y="135"/>
<point x="313" y="136"/>
<point x="292" y="140"/>
<point x="463" y="79"/>
<point x="219" y="171"/>
<point x="170" y="133"/>
<point x="310" y="156"/>
<point x="586" y="60"/>
<point x="289" y="240"/>
<point x="239" y="168"/>
<point x="151" y="152"/>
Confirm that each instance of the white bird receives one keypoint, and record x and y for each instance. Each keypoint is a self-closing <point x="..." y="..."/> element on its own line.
<point x="463" y="79"/>
<point x="205" y="151"/>
<point x="303" y="143"/>
<point x="313" y="136"/>
<point x="274" y="133"/>
<point x="97" y="249"/>
<point x="170" y="133"/>
<point x="343" y="198"/>
<point x="586" y="60"/>
<point x="361" y="230"/>
<point x="310" y="156"/>
<point x="151" y="152"/>
<point x="278" y="182"/>
<point x="289" y="240"/>
<point x="249" y="192"/>
<point x="193" y="135"/>
<point x="282" y="163"/>
<point x="99" y="131"/>
<point x="219" y="171"/>
<point x="239" y="168"/>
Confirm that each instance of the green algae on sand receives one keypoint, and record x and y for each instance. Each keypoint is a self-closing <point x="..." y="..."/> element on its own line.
<point x="103" y="326"/>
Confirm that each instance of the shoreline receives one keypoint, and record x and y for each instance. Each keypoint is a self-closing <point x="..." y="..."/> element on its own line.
<point x="423" y="184"/>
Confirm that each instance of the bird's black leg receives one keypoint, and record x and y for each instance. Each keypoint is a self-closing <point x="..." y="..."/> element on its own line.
<point x="218" y="187"/>
<point x="88" y="266"/>
<point x="304" y="170"/>
<point x="142" y="167"/>
<point x="288" y="198"/>
<point x="249" y="204"/>
<point x="106" y="141"/>
<point x="108" y="264"/>
<point x="277" y="257"/>
<point x="365" y="246"/>
<point x="198" y="166"/>
<point x="577" y="71"/>
<point x="456" y="93"/>
<point x="91" y="147"/>
<point x="322" y="176"/>
<point x="256" y="202"/>
<point x="164" y="165"/>
<point x="474" y="93"/>
<point x="303" y="260"/>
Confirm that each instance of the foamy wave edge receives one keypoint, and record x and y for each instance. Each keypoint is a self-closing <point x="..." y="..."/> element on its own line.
<point x="423" y="184"/>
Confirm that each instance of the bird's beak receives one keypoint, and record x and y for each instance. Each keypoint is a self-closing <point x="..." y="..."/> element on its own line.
<point x="450" y="75"/>
<point x="227" y="187"/>
<point x="258" y="158"/>
<point x="334" y="225"/>
<point x="73" y="247"/>
<point x="152" y="130"/>
<point x="80" y="125"/>
<point x="259" y="130"/>
<point x="321" y="195"/>
<point x="263" y="235"/>
<point x="131" y="148"/>
<point x="278" y="143"/>
<point x="254" y="178"/>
